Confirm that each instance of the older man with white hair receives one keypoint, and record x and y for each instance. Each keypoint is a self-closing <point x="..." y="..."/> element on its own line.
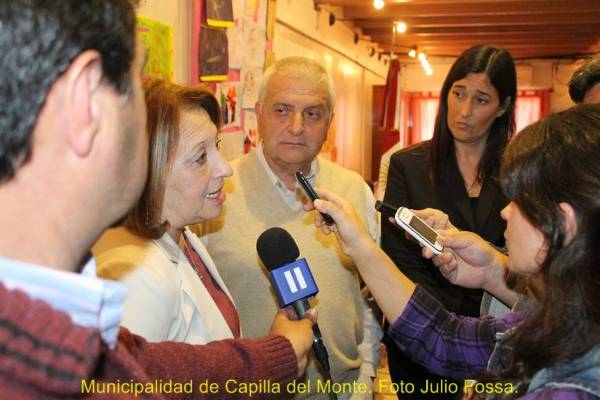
<point x="294" y="111"/>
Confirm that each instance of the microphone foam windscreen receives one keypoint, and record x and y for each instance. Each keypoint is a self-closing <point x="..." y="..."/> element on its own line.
<point x="276" y="247"/>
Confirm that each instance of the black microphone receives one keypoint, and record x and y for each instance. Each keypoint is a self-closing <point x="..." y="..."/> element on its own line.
<point x="293" y="283"/>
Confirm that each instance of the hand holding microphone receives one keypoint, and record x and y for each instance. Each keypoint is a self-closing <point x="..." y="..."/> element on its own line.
<point x="299" y="333"/>
<point x="293" y="283"/>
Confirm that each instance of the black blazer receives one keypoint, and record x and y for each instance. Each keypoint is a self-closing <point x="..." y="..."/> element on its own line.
<point x="409" y="185"/>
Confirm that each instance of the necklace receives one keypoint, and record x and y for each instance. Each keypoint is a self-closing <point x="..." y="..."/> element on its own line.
<point x="473" y="189"/>
<point x="190" y="257"/>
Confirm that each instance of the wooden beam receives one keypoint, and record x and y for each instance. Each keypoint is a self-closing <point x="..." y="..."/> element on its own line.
<point x="564" y="19"/>
<point x="359" y="3"/>
<point x="573" y="38"/>
<point x="530" y="51"/>
<point x="473" y="8"/>
<point x="500" y="43"/>
<point x="590" y="29"/>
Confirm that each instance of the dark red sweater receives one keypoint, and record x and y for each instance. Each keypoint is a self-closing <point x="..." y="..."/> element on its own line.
<point x="43" y="355"/>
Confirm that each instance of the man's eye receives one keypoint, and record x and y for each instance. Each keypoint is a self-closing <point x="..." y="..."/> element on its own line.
<point x="281" y="110"/>
<point x="313" y="114"/>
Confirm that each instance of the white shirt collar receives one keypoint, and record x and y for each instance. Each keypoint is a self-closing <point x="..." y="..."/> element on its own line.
<point x="290" y="197"/>
<point x="87" y="299"/>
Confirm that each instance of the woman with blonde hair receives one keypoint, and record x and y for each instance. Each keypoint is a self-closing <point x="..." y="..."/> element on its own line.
<point x="176" y="292"/>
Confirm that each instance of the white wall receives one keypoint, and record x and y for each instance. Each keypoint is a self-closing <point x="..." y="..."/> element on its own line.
<point x="178" y="14"/>
<point x="300" y="30"/>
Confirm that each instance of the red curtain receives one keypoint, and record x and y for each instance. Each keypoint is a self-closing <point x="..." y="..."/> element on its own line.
<point x="390" y="99"/>
<point x="531" y="105"/>
<point x="417" y="116"/>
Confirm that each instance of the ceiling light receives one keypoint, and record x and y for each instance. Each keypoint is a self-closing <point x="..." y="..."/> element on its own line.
<point x="412" y="53"/>
<point x="401" y="27"/>
<point x="378" y="4"/>
<point x="426" y="67"/>
<point x="422" y="56"/>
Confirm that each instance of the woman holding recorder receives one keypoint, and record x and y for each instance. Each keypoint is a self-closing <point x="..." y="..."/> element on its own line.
<point x="550" y="350"/>
<point x="456" y="172"/>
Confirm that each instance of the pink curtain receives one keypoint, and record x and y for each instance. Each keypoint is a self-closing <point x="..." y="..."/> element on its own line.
<point x="531" y="105"/>
<point x="418" y="118"/>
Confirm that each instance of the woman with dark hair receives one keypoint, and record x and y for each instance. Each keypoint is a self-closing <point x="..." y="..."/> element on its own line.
<point x="175" y="290"/>
<point x="551" y="348"/>
<point x="456" y="172"/>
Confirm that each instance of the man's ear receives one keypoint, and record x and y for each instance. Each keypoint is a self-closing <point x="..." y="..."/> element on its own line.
<point x="257" y="108"/>
<point x="569" y="221"/>
<point x="81" y="100"/>
<point x="504" y="106"/>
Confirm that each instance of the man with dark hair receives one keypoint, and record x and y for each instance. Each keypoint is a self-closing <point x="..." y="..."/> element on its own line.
<point x="72" y="162"/>
<point x="584" y="86"/>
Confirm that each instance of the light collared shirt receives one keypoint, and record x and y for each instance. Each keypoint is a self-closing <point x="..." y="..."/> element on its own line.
<point x="89" y="301"/>
<point x="293" y="200"/>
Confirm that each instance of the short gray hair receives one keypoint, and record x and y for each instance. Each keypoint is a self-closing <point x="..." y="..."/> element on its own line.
<point x="302" y="68"/>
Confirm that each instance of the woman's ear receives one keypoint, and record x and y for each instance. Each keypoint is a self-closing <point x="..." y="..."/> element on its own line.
<point x="569" y="221"/>
<point x="504" y="106"/>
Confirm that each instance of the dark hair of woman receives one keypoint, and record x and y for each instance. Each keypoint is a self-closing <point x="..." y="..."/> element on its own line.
<point x="499" y="66"/>
<point x="554" y="161"/>
<point x="165" y="102"/>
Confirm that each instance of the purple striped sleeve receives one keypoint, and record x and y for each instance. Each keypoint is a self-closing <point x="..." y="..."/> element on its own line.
<point x="446" y="344"/>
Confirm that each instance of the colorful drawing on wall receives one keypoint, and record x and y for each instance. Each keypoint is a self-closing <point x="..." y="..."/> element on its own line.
<point x="239" y="8"/>
<point x="213" y="57"/>
<point x="250" y="130"/>
<point x="235" y="38"/>
<point x="251" y="78"/>
<point x="219" y="13"/>
<point x="227" y="94"/>
<point x="157" y="39"/>
<point x="251" y="7"/>
<point x="255" y="38"/>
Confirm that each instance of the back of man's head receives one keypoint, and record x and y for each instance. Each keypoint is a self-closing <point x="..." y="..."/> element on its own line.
<point x="301" y="68"/>
<point x="38" y="41"/>
<point x="584" y="78"/>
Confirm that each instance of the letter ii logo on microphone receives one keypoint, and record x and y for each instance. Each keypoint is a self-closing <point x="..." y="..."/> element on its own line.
<point x="293" y="282"/>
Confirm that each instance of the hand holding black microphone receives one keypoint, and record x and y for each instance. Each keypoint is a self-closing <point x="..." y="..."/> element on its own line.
<point x="293" y="283"/>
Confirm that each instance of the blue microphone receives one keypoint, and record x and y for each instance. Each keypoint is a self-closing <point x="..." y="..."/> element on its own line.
<point x="293" y="282"/>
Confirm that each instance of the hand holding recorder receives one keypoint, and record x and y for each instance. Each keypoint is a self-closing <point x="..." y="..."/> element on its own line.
<point x="312" y="195"/>
<point x="413" y="225"/>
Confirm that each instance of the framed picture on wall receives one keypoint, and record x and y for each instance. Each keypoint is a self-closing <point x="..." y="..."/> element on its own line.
<point x="219" y="13"/>
<point x="213" y="54"/>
